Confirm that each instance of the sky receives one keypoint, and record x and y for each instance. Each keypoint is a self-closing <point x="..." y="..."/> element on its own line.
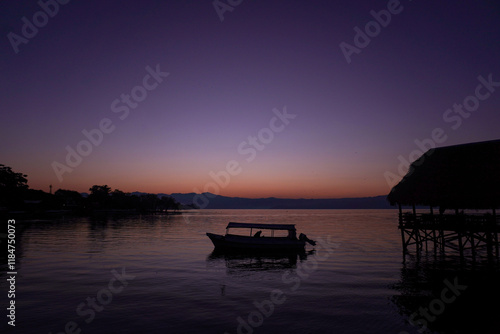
<point x="293" y="99"/>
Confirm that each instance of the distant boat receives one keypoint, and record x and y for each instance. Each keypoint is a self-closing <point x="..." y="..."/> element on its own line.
<point x="286" y="239"/>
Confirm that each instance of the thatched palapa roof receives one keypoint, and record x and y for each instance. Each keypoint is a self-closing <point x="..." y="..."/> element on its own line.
<point x="455" y="177"/>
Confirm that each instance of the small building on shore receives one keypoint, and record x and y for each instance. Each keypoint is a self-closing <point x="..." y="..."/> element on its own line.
<point x="461" y="187"/>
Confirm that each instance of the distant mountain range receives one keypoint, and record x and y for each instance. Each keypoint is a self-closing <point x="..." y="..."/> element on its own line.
<point x="212" y="201"/>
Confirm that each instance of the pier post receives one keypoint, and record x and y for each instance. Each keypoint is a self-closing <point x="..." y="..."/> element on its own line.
<point x="495" y="231"/>
<point x="441" y="230"/>
<point x="402" y="228"/>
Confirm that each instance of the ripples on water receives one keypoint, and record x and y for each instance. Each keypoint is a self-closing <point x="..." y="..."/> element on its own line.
<point x="180" y="285"/>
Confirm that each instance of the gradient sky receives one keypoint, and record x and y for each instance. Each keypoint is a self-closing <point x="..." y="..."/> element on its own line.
<point x="353" y="120"/>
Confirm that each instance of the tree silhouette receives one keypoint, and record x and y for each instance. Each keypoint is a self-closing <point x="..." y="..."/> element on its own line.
<point x="124" y="201"/>
<point x="16" y="195"/>
<point x="100" y="196"/>
<point x="168" y="203"/>
<point x="10" y="180"/>
<point x="12" y="187"/>
<point x="149" y="202"/>
<point x="68" y="198"/>
<point x="100" y="190"/>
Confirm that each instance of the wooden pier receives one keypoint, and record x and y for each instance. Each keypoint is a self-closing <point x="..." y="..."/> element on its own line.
<point x="463" y="183"/>
<point x="469" y="235"/>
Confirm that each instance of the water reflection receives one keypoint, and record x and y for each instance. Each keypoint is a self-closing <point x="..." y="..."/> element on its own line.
<point x="16" y="249"/>
<point x="448" y="296"/>
<point x="19" y="244"/>
<point x="238" y="263"/>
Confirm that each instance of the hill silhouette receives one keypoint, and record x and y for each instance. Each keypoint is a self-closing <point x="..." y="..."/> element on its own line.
<point x="223" y="202"/>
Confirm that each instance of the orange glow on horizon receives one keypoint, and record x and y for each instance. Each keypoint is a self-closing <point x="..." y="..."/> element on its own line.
<point x="248" y="188"/>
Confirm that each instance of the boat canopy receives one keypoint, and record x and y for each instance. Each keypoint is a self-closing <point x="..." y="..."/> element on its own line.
<point x="288" y="227"/>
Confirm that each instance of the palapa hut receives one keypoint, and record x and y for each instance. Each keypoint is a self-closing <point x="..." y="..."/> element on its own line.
<point x="460" y="177"/>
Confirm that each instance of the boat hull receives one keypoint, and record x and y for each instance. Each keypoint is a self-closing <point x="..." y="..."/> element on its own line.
<point x="238" y="242"/>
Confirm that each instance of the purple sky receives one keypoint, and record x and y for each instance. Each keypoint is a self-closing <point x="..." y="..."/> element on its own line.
<point x="349" y="125"/>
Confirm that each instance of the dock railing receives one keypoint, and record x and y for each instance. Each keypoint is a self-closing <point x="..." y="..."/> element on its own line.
<point x="460" y="221"/>
<point x="459" y="231"/>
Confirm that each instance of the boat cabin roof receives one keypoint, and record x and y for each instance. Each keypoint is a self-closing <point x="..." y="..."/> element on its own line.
<point x="262" y="226"/>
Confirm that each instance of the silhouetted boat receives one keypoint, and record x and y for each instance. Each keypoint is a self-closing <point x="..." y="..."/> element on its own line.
<point x="286" y="241"/>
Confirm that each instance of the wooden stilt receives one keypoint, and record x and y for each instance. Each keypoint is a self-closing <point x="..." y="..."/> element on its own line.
<point x="402" y="228"/>
<point x="468" y="235"/>
<point x="473" y="246"/>
<point x="460" y="244"/>
<point x="495" y="232"/>
<point x="434" y="239"/>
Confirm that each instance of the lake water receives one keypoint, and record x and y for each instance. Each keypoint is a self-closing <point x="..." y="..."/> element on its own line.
<point x="158" y="274"/>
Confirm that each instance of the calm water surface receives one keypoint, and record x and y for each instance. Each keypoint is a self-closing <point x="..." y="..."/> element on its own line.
<point x="158" y="274"/>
